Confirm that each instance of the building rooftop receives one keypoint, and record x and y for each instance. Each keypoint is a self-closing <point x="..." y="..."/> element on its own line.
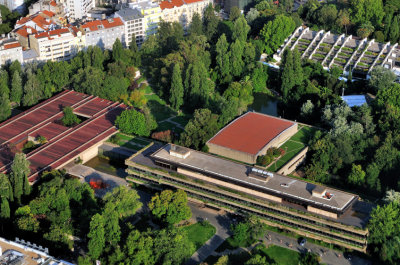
<point x="277" y="184"/>
<point x="167" y="4"/>
<point x="64" y="143"/>
<point x="102" y="24"/>
<point x="25" y="253"/>
<point x="250" y="132"/>
<point x="129" y="14"/>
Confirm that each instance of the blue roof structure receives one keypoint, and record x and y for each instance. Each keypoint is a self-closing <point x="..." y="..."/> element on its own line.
<point x="354" y="100"/>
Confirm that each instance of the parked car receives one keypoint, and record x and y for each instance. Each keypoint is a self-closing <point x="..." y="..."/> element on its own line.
<point x="302" y="241"/>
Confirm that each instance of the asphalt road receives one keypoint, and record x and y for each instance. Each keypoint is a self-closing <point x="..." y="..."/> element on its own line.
<point x="222" y="221"/>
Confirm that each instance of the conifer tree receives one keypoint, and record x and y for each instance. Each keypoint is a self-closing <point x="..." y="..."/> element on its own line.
<point x="4" y="209"/>
<point x="196" y="26"/>
<point x="236" y="58"/>
<point x="19" y="176"/>
<point x="16" y="88"/>
<point x="96" y="237"/>
<point x="297" y="68"/>
<point x="117" y="51"/>
<point x="5" y="107"/>
<point x="4" y="89"/>
<point x="176" y="94"/>
<point x="287" y="74"/>
<point x="223" y="64"/>
<point x="394" y="30"/>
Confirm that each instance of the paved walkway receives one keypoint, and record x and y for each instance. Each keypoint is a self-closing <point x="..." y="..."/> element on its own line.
<point x="173" y="122"/>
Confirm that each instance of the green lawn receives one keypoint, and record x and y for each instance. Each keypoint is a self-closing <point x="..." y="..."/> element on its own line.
<point x="163" y="126"/>
<point x="199" y="233"/>
<point x="182" y="120"/>
<point x="278" y="255"/>
<point x="131" y="142"/>
<point x="293" y="146"/>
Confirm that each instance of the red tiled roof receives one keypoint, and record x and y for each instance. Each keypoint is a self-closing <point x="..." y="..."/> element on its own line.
<point x="192" y="1"/>
<point x="63" y="143"/>
<point x="250" y="132"/>
<point x="51" y="33"/>
<point x="53" y="3"/>
<point x="41" y="21"/>
<point x="23" y="20"/>
<point x="94" y="25"/>
<point x="48" y="13"/>
<point x="171" y="4"/>
<point x="23" y="31"/>
<point x="12" y="45"/>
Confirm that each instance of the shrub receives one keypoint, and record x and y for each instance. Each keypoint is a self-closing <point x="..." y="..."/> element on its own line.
<point x="165" y="136"/>
<point x="115" y="139"/>
<point x="281" y="151"/>
<point x="29" y="145"/>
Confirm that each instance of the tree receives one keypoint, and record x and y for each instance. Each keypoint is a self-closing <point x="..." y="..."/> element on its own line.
<point x="365" y="29"/>
<point x="259" y="78"/>
<point x="307" y="108"/>
<point x="383" y="223"/>
<point x="170" y="207"/>
<point x="236" y="60"/>
<point x="210" y="21"/>
<point x="222" y="59"/>
<point x="96" y="237"/>
<point x="4" y="89"/>
<point x="112" y="230"/>
<point x="257" y="260"/>
<point x="356" y="176"/>
<point x="132" y="122"/>
<point x="394" y="32"/>
<point x="25" y="220"/>
<point x="19" y="176"/>
<point x="32" y="90"/>
<point x="240" y="29"/>
<point x="16" y="88"/>
<point x="381" y="78"/>
<point x="118" y="51"/>
<point x="196" y="26"/>
<point x="252" y="15"/>
<point x="5" y="107"/>
<point x="367" y="11"/>
<point x="392" y="196"/>
<point x="6" y="191"/>
<point x="125" y="201"/>
<point x="287" y="73"/>
<point x="343" y="19"/>
<point x="234" y="13"/>
<point x="200" y="128"/>
<point x="4" y="209"/>
<point x="389" y="96"/>
<point x="69" y="118"/>
<point x="276" y="31"/>
<point x="176" y="92"/>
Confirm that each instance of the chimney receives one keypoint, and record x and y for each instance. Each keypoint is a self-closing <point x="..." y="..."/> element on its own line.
<point x="29" y="30"/>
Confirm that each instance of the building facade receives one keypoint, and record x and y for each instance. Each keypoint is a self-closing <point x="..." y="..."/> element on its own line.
<point x="304" y="208"/>
<point x="14" y="5"/>
<point x="152" y="15"/>
<point x="103" y="33"/>
<point x="10" y="50"/>
<point x="133" y="21"/>
<point x="78" y="9"/>
<point x="182" y="11"/>
<point x="55" y="45"/>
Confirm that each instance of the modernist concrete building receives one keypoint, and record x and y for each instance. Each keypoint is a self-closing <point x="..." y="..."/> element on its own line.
<point x="348" y="53"/>
<point x="103" y="33"/>
<point x="250" y="136"/>
<point x="134" y="25"/>
<point x="305" y="208"/>
<point x="64" y="144"/>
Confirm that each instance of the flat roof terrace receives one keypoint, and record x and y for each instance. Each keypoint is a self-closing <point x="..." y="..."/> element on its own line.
<point x="64" y="143"/>
<point x="278" y="185"/>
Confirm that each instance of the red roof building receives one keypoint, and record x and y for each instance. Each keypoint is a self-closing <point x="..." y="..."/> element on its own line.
<point x="251" y="135"/>
<point x="64" y="144"/>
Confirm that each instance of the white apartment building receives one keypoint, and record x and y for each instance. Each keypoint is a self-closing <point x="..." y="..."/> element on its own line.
<point x="10" y="50"/>
<point x="134" y="25"/>
<point x="182" y="11"/>
<point x="14" y="5"/>
<point x="151" y="14"/>
<point x="78" y="9"/>
<point x="103" y="33"/>
<point x="55" y="45"/>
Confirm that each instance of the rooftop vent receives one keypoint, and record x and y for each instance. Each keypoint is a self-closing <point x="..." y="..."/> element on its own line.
<point x="260" y="174"/>
<point x="179" y="151"/>
<point x="287" y="185"/>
